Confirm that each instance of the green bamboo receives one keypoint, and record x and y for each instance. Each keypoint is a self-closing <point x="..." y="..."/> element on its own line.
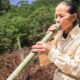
<point x="27" y="60"/>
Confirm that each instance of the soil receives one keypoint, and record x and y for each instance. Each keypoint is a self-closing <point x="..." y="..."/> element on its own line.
<point x="33" y="71"/>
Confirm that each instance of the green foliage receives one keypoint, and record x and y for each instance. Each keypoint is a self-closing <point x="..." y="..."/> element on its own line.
<point x="26" y="23"/>
<point x="38" y="22"/>
<point x="4" y="6"/>
<point x="10" y="29"/>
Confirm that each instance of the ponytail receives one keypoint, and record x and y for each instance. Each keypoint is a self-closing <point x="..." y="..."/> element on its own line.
<point x="76" y="2"/>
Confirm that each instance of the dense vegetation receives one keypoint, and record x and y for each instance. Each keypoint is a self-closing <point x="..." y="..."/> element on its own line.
<point x="20" y="26"/>
<point x="24" y="24"/>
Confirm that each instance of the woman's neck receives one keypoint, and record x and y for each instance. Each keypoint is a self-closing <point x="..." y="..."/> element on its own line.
<point x="65" y="34"/>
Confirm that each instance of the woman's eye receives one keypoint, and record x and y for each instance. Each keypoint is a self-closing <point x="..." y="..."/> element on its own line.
<point x="61" y="16"/>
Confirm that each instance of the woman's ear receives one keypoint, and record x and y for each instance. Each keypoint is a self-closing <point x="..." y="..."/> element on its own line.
<point x="74" y="16"/>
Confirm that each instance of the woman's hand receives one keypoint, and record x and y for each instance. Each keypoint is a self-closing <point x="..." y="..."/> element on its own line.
<point x="52" y="28"/>
<point x="41" y="47"/>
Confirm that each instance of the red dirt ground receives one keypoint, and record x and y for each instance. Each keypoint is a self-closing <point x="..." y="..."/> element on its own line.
<point x="9" y="62"/>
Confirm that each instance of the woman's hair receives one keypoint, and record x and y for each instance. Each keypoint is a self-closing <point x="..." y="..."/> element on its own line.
<point x="73" y="5"/>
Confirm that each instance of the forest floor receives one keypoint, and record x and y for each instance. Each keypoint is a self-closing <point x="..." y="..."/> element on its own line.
<point x="10" y="61"/>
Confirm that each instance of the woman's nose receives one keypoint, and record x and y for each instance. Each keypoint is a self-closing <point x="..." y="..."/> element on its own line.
<point x="58" y="20"/>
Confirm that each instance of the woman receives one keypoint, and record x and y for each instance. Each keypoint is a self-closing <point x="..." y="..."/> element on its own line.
<point x="65" y="53"/>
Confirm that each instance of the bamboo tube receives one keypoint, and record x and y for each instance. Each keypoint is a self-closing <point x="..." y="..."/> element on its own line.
<point x="27" y="60"/>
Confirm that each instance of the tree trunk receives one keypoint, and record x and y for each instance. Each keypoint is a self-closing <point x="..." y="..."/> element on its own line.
<point x="19" y="44"/>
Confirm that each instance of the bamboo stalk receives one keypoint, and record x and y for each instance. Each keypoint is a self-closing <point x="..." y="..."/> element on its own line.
<point x="27" y="60"/>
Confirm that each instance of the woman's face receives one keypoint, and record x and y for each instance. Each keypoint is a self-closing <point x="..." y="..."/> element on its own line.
<point x="64" y="18"/>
